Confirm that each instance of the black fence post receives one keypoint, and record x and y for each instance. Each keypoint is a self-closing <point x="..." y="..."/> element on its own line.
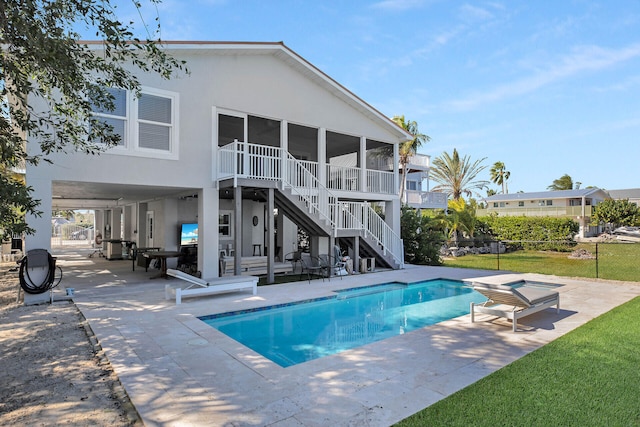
<point x="498" y="251"/>
<point x="597" y="260"/>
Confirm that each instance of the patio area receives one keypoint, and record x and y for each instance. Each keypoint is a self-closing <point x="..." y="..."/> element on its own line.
<point x="179" y="371"/>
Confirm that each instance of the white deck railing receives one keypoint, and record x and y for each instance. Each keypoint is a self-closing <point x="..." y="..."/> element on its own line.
<point x="343" y="178"/>
<point x="361" y="216"/>
<point x="380" y="182"/>
<point x="253" y="161"/>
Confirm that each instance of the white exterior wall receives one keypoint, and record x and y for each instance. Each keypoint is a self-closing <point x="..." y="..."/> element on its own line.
<point x="263" y="85"/>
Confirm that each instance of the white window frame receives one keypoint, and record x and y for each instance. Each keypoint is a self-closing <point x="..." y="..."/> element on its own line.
<point x="229" y="235"/>
<point x="131" y="144"/>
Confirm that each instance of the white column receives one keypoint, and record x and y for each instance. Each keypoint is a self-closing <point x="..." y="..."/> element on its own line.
<point x="363" y="164"/>
<point x="396" y="168"/>
<point x="284" y="145"/>
<point x="41" y="239"/>
<point x="322" y="156"/>
<point x="208" y="207"/>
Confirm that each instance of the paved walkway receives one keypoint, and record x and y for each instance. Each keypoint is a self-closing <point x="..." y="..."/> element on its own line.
<point x="179" y="371"/>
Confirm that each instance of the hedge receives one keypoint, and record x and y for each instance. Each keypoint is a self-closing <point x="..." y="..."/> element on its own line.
<point x="538" y="233"/>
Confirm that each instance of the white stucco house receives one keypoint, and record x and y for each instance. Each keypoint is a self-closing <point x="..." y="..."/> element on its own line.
<point x="253" y="129"/>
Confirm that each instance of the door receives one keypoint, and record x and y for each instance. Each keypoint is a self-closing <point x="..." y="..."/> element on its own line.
<point x="150" y="229"/>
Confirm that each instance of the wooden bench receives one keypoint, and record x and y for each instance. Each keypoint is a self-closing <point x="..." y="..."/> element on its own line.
<point x="200" y="287"/>
<point x="255" y="264"/>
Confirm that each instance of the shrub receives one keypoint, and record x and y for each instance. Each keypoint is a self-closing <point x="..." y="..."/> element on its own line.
<point x="422" y="237"/>
<point x="537" y="233"/>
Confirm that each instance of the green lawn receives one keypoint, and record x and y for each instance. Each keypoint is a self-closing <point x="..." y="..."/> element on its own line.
<point x="616" y="261"/>
<point x="588" y="377"/>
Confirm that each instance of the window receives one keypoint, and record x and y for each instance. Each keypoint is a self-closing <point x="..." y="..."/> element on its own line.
<point x="224" y="224"/>
<point x="118" y="117"/>
<point x="154" y="122"/>
<point x="521" y="204"/>
<point x="412" y="185"/>
<point x="549" y="202"/>
<point x="146" y="125"/>
<point x="495" y="204"/>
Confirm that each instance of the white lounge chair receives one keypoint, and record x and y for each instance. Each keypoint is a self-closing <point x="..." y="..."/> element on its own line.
<point x="513" y="303"/>
<point x="199" y="286"/>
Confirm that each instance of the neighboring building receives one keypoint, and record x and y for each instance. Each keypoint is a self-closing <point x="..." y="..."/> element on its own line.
<point x="576" y="204"/>
<point x="631" y="194"/>
<point x="254" y="129"/>
<point x="416" y="194"/>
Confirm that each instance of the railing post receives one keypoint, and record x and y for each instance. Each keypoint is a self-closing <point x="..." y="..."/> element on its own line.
<point x="235" y="163"/>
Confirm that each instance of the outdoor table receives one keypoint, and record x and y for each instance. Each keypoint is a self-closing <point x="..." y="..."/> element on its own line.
<point x="162" y="256"/>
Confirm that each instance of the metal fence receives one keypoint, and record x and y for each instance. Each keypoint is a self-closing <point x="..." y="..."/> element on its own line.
<point x="608" y="259"/>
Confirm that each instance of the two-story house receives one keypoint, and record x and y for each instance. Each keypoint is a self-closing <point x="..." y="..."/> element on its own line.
<point x="254" y="143"/>
<point x="577" y="204"/>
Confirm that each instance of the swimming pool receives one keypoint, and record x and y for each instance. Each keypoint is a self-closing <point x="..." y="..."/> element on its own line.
<point x="295" y="333"/>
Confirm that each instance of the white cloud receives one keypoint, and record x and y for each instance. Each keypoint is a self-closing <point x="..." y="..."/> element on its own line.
<point x="582" y="59"/>
<point x="398" y="4"/>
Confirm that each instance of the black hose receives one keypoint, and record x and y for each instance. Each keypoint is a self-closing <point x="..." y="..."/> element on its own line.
<point x="26" y="283"/>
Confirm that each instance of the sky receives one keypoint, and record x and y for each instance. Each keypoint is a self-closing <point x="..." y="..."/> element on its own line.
<point x="548" y="87"/>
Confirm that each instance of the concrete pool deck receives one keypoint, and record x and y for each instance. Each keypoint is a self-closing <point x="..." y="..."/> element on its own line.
<point x="179" y="371"/>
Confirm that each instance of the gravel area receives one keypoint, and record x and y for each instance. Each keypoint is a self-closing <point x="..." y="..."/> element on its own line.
<point x="53" y="370"/>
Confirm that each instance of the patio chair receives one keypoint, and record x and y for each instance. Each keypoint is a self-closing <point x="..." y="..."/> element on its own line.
<point x="294" y="258"/>
<point x="313" y="266"/>
<point x="513" y="303"/>
<point x="333" y="266"/>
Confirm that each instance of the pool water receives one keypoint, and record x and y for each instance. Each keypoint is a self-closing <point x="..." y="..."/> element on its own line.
<point x="296" y="333"/>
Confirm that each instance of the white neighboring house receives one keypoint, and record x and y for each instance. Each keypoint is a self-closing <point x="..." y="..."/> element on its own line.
<point x="631" y="194"/>
<point x="417" y="194"/>
<point x="253" y="129"/>
<point x="577" y="204"/>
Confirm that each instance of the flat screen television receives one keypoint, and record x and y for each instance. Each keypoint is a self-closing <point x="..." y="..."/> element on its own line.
<point x="189" y="234"/>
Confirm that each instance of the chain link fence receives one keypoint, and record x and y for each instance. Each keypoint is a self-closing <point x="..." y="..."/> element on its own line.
<point x="604" y="259"/>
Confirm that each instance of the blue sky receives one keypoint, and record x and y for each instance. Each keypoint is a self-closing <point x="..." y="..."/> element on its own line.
<point x="547" y="87"/>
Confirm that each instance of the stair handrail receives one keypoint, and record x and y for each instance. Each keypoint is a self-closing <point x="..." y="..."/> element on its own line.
<point x="368" y="220"/>
<point x="305" y="184"/>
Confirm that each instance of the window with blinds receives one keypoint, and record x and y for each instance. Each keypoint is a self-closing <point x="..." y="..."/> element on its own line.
<point x="154" y="122"/>
<point x="116" y="118"/>
<point x="146" y="125"/>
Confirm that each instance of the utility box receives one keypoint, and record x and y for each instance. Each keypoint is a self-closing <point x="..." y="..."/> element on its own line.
<point x="114" y="250"/>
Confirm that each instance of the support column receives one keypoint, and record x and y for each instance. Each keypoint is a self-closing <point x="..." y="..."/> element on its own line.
<point x="41" y="239"/>
<point x="322" y="156"/>
<point x="237" y="230"/>
<point x="284" y="145"/>
<point x="363" y="164"/>
<point x="356" y="254"/>
<point x="271" y="241"/>
<point x="208" y="239"/>
<point x="396" y="168"/>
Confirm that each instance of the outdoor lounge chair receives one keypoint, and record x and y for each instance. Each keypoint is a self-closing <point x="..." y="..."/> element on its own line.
<point x="513" y="303"/>
<point x="208" y="286"/>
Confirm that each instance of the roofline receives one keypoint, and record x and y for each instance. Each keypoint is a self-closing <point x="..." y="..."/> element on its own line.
<point x="549" y="193"/>
<point x="213" y="45"/>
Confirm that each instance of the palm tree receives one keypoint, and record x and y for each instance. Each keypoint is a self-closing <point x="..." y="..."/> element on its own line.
<point x="461" y="220"/>
<point x="457" y="176"/>
<point x="500" y="176"/>
<point x="408" y="148"/>
<point x="563" y="183"/>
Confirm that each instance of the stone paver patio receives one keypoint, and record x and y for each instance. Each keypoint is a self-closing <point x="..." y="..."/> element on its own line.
<point x="179" y="371"/>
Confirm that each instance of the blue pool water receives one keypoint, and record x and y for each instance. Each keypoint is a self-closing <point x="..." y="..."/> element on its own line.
<point x="296" y="333"/>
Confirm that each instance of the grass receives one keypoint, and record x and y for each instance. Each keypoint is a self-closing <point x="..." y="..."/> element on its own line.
<point x="616" y="261"/>
<point x="588" y="377"/>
